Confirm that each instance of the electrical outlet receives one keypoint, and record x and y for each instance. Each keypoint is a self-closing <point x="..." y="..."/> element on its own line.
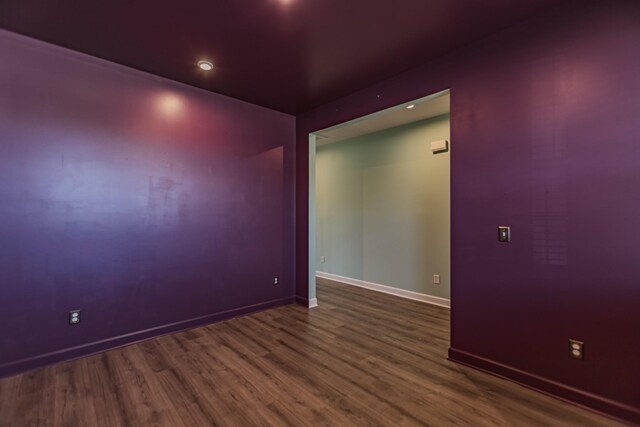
<point x="322" y="259"/>
<point x="576" y="349"/>
<point x="275" y="281"/>
<point x="436" y="279"/>
<point x="74" y="317"/>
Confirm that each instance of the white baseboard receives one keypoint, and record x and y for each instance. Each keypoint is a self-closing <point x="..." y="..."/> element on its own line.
<point x="416" y="296"/>
<point x="313" y="302"/>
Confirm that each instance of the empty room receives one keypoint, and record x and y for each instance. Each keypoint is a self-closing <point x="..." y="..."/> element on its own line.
<point x="320" y="212"/>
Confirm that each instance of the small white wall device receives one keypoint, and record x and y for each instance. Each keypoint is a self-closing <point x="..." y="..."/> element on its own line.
<point x="440" y="146"/>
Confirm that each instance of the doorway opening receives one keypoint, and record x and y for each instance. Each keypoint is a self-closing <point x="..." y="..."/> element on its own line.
<point x="379" y="202"/>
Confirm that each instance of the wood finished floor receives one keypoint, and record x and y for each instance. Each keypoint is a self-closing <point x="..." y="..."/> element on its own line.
<point x="360" y="358"/>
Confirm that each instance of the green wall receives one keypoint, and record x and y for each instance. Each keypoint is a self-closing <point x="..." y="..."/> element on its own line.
<point x="383" y="208"/>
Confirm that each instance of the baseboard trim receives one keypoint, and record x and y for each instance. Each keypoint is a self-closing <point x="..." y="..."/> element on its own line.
<point x="581" y="398"/>
<point x="63" y="355"/>
<point x="307" y="302"/>
<point x="416" y="296"/>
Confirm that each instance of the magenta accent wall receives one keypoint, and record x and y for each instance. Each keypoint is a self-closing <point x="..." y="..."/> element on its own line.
<point x="149" y="205"/>
<point x="546" y="139"/>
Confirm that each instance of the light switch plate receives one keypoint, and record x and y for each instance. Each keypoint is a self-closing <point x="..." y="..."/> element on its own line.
<point x="504" y="234"/>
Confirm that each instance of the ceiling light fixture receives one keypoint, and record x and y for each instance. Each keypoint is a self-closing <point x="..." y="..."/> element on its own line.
<point x="205" y="65"/>
<point x="409" y="107"/>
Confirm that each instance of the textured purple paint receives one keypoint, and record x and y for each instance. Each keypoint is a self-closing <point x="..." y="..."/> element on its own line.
<point x="545" y="129"/>
<point x="150" y="205"/>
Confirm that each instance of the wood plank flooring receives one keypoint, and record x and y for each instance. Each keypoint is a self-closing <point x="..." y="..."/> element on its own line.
<point x="361" y="358"/>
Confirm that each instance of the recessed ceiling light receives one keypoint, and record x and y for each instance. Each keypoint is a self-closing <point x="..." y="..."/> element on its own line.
<point x="409" y="107"/>
<point x="205" y="65"/>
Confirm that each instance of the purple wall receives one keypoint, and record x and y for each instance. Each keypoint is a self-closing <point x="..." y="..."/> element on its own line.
<point x="150" y="205"/>
<point x="546" y="139"/>
<point x="153" y="206"/>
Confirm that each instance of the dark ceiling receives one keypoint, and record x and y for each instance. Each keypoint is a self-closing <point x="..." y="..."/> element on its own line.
<point x="290" y="55"/>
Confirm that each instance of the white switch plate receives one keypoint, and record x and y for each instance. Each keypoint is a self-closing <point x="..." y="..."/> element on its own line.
<point x="436" y="279"/>
<point x="322" y="259"/>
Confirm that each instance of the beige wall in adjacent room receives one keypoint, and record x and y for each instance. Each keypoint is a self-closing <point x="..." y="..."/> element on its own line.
<point x="383" y="208"/>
